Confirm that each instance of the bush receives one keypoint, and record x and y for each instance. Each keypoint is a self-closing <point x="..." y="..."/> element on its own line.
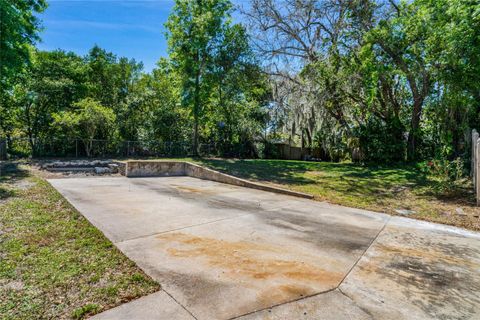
<point x="382" y="142"/>
<point x="448" y="175"/>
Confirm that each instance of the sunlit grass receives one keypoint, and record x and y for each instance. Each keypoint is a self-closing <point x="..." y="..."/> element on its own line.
<point x="378" y="188"/>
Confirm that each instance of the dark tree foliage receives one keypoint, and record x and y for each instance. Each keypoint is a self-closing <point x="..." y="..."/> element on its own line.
<point x="368" y="80"/>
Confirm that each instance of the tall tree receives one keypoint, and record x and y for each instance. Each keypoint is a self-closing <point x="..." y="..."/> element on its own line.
<point x="400" y="39"/>
<point x="193" y="30"/>
<point x="54" y="81"/>
<point x="19" y="27"/>
<point x="89" y="120"/>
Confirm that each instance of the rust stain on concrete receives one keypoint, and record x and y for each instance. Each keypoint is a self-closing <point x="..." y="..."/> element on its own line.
<point x="283" y="293"/>
<point x="193" y="190"/>
<point x="250" y="260"/>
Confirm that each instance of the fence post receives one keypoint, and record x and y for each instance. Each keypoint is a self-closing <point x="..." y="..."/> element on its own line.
<point x="477" y="170"/>
<point x="76" y="148"/>
<point x="473" y="169"/>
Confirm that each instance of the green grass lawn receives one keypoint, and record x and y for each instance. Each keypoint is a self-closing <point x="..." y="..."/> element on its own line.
<point x="377" y="188"/>
<point x="53" y="263"/>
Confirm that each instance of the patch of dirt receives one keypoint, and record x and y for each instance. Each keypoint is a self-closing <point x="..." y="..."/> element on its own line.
<point x="14" y="285"/>
<point x="23" y="184"/>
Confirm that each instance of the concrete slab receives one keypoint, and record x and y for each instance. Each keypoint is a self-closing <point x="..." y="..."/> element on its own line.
<point x="332" y="305"/>
<point x="246" y="264"/>
<point x="418" y="270"/>
<point x="128" y="208"/>
<point x="156" y="306"/>
<point x="224" y="251"/>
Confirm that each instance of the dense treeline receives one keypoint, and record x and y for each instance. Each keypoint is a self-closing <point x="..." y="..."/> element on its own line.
<point x="384" y="80"/>
<point x="210" y="89"/>
<point x="371" y="80"/>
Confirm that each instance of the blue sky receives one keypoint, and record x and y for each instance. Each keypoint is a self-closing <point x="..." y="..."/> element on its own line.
<point x="130" y="28"/>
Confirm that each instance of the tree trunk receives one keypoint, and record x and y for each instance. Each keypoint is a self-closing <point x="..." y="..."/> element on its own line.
<point x="414" y="134"/>
<point x="309" y="138"/>
<point x="31" y="141"/>
<point x="196" y="111"/>
<point x="88" y="146"/>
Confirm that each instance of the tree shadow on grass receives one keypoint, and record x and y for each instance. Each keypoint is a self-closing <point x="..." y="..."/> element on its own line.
<point x="11" y="176"/>
<point x="276" y="171"/>
<point x="350" y="178"/>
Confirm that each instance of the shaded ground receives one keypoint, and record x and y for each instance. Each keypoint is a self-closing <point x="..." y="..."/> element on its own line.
<point x="53" y="263"/>
<point x="377" y="188"/>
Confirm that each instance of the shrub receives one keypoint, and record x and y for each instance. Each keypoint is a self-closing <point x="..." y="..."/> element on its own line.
<point x="447" y="175"/>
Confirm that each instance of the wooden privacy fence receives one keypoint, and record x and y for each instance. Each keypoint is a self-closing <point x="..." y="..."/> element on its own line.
<point x="475" y="167"/>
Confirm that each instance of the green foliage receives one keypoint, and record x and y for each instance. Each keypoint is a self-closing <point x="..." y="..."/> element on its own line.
<point x="82" y="312"/>
<point x="217" y="73"/>
<point x="162" y="117"/>
<point x="89" y="120"/>
<point x="389" y="81"/>
<point x="382" y="142"/>
<point x="447" y="175"/>
<point x="193" y="31"/>
<point x="19" y="28"/>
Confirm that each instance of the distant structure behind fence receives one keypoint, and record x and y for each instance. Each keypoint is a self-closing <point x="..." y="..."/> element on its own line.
<point x="475" y="164"/>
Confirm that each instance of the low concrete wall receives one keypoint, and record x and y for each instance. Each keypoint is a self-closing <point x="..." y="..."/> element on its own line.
<point x="144" y="168"/>
<point x="147" y="168"/>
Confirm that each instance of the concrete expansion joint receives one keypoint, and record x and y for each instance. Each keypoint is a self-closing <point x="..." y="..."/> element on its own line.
<point x="178" y="229"/>
<point x="283" y="303"/>
<point x="181" y="305"/>
<point x="337" y="287"/>
<point x="364" y="251"/>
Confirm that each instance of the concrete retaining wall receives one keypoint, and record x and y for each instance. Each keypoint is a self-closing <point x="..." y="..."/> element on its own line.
<point x="145" y="168"/>
<point x="154" y="168"/>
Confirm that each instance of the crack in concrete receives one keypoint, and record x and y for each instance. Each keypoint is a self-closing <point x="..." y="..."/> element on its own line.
<point x="354" y="302"/>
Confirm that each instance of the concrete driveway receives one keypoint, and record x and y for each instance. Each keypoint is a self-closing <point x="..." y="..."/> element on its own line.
<point x="222" y="252"/>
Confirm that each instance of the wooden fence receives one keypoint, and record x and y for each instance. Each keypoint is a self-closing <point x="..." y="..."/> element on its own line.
<point x="475" y="164"/>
